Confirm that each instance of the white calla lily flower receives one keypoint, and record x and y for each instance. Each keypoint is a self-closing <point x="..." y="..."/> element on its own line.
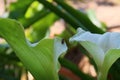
<point x="104" y="48"/>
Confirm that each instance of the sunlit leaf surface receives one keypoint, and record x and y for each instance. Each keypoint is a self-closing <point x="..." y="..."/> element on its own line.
<point x="39" y="58"/>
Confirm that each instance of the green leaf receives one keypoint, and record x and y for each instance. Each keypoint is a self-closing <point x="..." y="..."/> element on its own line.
<point x="40" y="27"/>
<point x="34" y="7"/>
<point x="39" y="58"/>
<point x="2" y="48"/>
<point x="18" y="9"/>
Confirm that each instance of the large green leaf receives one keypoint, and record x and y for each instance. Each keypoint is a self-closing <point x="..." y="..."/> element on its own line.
<point x="39" y="58"/>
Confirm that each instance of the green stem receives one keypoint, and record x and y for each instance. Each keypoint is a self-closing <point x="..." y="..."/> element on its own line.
<point x="62" y="13"/>
<point x="81" y="17"/>
<point x="64" y="62"/>
<point x="28" y="22"/>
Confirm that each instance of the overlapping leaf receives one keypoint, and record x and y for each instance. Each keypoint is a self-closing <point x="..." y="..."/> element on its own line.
<point x="39" y="58"/>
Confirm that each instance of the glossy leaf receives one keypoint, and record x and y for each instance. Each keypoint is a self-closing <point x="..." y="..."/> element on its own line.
<point x="39" y="58"/>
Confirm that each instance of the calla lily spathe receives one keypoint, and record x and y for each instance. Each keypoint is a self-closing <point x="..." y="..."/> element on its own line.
<point x="102" y="47"/>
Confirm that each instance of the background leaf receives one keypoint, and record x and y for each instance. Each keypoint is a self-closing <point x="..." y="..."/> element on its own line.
<point x="19" y="8"/>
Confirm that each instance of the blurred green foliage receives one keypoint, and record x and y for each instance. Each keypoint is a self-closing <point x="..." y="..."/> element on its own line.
<point x="37" y="17"/>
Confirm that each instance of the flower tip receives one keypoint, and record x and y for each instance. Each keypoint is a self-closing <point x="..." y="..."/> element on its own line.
<point x="80" y="31"/>
<point x="75" y="37"/>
